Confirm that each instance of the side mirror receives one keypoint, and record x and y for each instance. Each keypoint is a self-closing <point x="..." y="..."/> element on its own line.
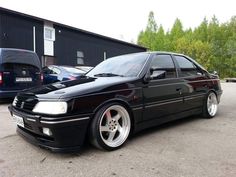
<point x="155" y="73"/>
<point x="147" y="78"/>
<point x="215" y="72"/>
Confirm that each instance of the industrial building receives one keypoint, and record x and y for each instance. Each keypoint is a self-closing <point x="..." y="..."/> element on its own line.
<point x="57" y="43"/>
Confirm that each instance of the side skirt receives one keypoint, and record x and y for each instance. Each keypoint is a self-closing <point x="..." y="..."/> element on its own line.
<point x="154" y="122"/>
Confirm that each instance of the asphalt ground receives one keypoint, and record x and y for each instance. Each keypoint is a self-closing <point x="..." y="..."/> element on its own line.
<point x="191" y="147"/>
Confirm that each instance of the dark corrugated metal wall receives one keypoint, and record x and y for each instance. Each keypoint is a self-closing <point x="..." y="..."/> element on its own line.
<point x="18" y="33"/>
<point x="69" y="41"/>
<point x="1" y="36"/>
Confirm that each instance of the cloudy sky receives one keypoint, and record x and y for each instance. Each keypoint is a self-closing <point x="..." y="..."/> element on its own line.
<point x="123" y="19"/>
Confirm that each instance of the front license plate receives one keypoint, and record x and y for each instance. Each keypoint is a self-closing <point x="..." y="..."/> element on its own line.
<point x="23" y="79"/>
<point x="19" y="120"/>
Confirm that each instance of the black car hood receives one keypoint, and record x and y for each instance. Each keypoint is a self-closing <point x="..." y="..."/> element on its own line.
<point x="83" y="86"/>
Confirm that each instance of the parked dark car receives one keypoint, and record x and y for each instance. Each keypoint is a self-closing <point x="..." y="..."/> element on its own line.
<point x="230" y="79"/>
<point x="19" y="69"/>
<point x="54" y="73"/>
<point x="120" y="96"/>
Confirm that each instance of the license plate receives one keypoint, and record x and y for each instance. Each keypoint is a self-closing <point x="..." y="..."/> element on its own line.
<point x="23" y="79"/>
<point x="18" y="120"/>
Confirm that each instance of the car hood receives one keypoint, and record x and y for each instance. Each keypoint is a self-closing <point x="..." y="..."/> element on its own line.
<point x="83" y="86"/>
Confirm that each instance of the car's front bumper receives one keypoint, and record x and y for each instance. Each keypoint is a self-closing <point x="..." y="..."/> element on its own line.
<point x="68" y="133"/>
<point x="8" y="94"/>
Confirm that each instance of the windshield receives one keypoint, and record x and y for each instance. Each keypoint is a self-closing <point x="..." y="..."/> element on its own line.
<point x="125" y="65"/>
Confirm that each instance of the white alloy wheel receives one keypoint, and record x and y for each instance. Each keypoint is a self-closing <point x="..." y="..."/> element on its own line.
<point x="114" y="126"/>
<point x="212" y="104"/>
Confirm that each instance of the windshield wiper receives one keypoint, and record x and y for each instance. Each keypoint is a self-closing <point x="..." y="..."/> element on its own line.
<point x="107" y="75"/>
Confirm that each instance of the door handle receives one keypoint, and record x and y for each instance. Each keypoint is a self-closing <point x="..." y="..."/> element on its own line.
<point x="179" y="90"/>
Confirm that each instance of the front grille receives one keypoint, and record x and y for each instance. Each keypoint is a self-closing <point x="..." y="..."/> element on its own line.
<point x="25" y="102"/>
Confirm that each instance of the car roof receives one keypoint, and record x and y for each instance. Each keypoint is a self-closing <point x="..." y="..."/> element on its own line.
<point x="163" y="52"/>
<point x="170" y="53"/>
<point x="60" y="66"/>
<point x="154" y="52"/>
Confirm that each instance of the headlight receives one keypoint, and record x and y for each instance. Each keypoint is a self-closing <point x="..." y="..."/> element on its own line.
<point x="50" y="107"/>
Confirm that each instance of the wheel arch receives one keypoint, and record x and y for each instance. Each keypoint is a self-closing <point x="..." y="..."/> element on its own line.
<point x="205" y="112"/>
<point x="123" y="103"/>
<point x="215" y="92"/>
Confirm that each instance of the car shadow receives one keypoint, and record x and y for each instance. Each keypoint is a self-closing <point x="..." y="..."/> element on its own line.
<point x="6" y="100"/>
<point x="88" y="150"/>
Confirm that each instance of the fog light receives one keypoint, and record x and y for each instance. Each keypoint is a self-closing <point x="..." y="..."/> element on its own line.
<point x="47" y="131"/>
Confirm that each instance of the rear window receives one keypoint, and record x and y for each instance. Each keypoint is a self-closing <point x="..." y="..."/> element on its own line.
<point x="73" y="70"/>
<point x="187" y="68"/>
<point x="20" y="56"/>
<point x="19" y="67"/>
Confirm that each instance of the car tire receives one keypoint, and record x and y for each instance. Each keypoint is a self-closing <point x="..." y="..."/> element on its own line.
<point x="210" y="105"/>
<point x="110" y="127"/>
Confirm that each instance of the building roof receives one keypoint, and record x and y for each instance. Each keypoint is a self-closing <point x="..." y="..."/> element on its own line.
<point x="70" y="27"/>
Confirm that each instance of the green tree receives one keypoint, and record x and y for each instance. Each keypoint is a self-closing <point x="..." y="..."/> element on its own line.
<point x="201" y="32"/>
<point x="177" y="30"/>
<point x="147" y="38"/>
<point x="175" y="34"/>
<point x="212" y="44"/>
<point x="152" y="25"/>
<point x="160" y="39"/>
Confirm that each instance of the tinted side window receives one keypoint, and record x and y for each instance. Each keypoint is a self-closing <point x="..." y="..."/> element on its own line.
<point x="164" y="63"/>
<point x="187" y="67"/>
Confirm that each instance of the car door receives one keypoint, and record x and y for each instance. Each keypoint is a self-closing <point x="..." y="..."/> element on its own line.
<point x="195" y="79"/>
<point x="163" y="93"/>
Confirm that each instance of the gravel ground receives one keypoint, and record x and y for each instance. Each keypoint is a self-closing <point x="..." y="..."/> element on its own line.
<point x="192" y="147"/>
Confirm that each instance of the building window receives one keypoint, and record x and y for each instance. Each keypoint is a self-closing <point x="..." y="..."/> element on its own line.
<point x="80" y="58"/>
<point x="49" y="33"/>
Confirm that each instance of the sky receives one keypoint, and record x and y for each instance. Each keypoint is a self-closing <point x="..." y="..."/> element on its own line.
<point x="124" y="19"/>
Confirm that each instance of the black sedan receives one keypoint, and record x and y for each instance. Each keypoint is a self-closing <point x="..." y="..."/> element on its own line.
<point x="120" y="96"/>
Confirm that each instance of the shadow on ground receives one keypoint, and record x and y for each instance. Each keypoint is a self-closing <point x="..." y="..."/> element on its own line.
<point x="6" y="100"/>
<point x="87" y="148"/>
<point x="165" y="126"/>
